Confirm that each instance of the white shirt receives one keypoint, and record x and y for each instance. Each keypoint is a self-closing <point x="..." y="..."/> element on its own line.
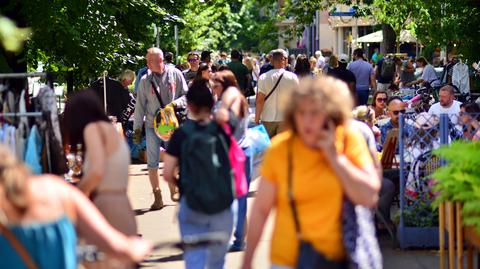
<point x="460" y="77"/>
<point x="271" y="109"/>
<point x="321" y="62"/>
<point x="429" y="75"/>
<point x="453" y="111"/>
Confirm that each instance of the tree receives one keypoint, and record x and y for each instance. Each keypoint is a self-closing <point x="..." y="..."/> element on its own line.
<point x="453" y="25"/>
<point x="399" y="15"/>
<point x="87" y="36"/>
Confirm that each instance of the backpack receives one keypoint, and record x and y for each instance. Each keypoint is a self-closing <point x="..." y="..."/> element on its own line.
<point x="387" y="70"/>
<point x="206" y="177"/>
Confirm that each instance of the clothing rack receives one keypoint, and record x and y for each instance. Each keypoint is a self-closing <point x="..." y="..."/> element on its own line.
<point x="25" y="114"/>
<point x="48" y="76"/>
<point x="32" y="114"/>
<point x="23" y="75"/>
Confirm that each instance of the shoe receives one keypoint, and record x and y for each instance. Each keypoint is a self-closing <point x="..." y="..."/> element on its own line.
<point x="157" y="203"/>
<point x="236" y="247"/>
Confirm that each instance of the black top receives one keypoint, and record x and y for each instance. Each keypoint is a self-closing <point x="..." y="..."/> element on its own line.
<point x="344" y="75"/>
<point x="117" y="96"/>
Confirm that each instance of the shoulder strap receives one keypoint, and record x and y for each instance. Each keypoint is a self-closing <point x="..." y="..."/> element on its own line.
<point x="19" y="248"/>
<point x="156" y="92"/>
<point x="291" y="198"/>
<point x="274" y="87"/>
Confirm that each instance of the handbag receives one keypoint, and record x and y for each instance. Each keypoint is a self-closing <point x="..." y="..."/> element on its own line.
<point x="308" y="257"/>
<point x="164" y="122"/>
<point x="359" y="236"/>
<point x="258" y="139"/>
<point x="237" y="162"/>
<point x="19" y="248"/>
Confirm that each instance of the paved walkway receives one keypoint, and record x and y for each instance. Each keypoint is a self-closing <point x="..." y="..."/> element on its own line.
<point x="162" y="226"/>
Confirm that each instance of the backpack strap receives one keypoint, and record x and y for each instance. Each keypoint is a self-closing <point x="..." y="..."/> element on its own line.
<point x="19" y="248"/>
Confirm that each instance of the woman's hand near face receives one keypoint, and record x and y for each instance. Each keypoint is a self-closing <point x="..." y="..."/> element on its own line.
<point x="326" y="139"/>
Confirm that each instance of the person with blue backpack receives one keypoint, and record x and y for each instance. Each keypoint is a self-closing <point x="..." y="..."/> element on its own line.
<point x="200" y="148"/>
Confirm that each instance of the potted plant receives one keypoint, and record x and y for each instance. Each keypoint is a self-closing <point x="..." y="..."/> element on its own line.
<point x="459" y="179"/>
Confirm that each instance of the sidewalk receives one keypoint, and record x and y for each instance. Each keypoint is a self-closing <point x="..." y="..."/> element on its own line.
<point x="162" y="226"/>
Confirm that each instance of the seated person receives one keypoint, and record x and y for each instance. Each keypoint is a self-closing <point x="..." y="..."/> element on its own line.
<point x="364" y="117"/>
<point x="379" y="104"/>
<point x="395" y="106"/>
<point x="448" y="105"/>
<point x="470" y="120"/>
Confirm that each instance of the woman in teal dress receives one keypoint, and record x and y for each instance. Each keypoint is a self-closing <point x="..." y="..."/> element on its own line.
<point x="43" y="213"/>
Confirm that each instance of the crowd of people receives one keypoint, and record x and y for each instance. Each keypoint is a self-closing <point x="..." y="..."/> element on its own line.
<point x="327" y="139"/>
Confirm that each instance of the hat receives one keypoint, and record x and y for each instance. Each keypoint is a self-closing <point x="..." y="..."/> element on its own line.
<point x="425" y="121"/>
<point x="205" y="53"/>
<point x="343" y="58"/>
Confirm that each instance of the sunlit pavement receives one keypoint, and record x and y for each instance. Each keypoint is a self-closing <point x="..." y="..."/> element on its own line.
<point x="162" y="226"/>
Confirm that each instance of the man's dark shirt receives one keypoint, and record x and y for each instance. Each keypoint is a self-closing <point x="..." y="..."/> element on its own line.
<point x="343" y="74"/>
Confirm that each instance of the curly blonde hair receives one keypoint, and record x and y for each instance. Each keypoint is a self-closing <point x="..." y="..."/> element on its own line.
<point x="331" y="94"/>
<point x="13" y="177"/>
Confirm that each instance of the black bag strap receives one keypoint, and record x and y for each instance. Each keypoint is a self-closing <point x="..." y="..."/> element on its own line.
<point x="291" y="198"/>
<point x="156" y="92"/>
<point x="274" y="87"/>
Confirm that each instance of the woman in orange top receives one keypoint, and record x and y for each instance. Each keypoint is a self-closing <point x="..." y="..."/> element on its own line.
<point x="329" y="160"/>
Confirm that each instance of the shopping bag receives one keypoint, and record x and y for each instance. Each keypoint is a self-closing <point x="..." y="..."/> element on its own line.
<point x="258" y="139"/>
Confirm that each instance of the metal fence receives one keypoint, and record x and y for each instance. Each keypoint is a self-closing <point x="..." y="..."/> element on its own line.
<point x="419" y="135"/>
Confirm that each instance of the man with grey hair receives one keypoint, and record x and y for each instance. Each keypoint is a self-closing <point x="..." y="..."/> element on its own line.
<point x="271" y="87"/>
<point x="171" y="86"/>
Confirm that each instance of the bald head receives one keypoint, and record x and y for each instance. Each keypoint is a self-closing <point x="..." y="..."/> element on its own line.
<point x="155" y="60"/>
<point x="155" y="51"/>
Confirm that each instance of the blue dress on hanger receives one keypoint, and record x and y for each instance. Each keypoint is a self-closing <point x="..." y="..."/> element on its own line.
<point x="51" y="245"/>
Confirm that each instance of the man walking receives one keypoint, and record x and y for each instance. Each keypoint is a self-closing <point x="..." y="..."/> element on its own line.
<point x="364" y="75"/>
<point x="240" y="71"/>
<point x="171" y="86"/>
<point x="271" y="86"/>
<point x="193" y="59"/>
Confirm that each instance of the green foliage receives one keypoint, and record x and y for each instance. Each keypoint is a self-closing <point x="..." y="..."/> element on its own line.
<point x="437" y="23"/>
<point x="455" y="22"/>
<point x="459" y="180"/>
<point x="399" y="14"/>
<point x="90" y="36"/>
<point x="258" y="32"/>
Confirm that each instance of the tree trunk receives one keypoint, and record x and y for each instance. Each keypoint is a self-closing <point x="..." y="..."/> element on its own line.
<point x="388" y="43"/>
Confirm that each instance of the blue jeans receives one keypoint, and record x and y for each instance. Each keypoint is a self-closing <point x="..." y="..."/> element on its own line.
<point x="239" y="233"/>
<point x="362" y="96"/>
<point x="194" y="223"/>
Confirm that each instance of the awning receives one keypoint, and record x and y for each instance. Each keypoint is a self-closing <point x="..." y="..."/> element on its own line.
<point x="377" y="37"/>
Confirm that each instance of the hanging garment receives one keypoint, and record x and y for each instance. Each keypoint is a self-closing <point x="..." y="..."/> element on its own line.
<point x="33" y="151"/>
<point x="20" y="140"/>
<point x="47" y="102"/>
<point x="460" y="77"/>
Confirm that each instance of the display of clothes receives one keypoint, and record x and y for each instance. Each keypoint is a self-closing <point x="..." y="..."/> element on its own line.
<point x="461" y="78"/>
<point x="34" y="138"/>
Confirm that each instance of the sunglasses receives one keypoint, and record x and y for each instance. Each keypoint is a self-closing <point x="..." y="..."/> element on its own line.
<point x="381" y="99"/>
<point x="396" y="112"/>
<point x="192" y="60"/>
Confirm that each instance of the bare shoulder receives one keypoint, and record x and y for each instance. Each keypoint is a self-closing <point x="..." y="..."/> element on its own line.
<point x="46" y="184"/>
